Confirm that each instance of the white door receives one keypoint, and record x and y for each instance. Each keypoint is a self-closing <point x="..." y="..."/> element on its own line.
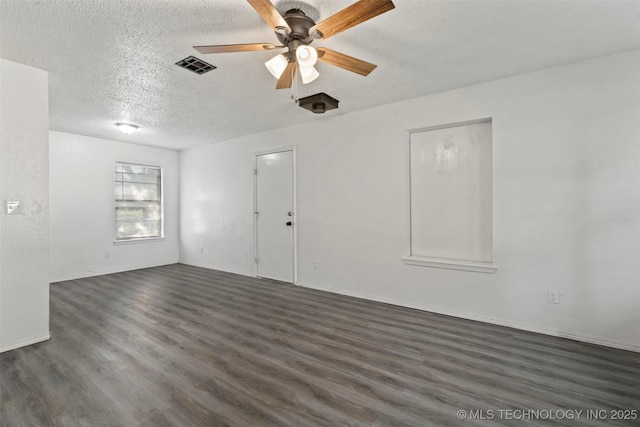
<point x="275" y="216"/>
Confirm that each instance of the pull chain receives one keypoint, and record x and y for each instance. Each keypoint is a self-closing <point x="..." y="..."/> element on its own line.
<point x="294" y="86"/>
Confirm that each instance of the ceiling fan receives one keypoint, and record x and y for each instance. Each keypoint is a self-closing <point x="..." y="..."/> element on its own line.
<point x="296" y="31"/>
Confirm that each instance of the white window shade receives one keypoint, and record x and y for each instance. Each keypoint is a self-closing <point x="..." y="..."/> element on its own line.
<point x="138" y="196"/>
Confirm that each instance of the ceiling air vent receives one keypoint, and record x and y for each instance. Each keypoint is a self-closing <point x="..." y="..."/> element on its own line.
<point x="318" y="103"/>
<point x="196" y="65"/>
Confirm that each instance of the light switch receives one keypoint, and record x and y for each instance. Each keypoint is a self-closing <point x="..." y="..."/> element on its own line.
<point x="12" y="207"/>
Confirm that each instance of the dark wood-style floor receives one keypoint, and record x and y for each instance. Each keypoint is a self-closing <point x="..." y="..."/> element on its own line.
<point x="186" y="346"/>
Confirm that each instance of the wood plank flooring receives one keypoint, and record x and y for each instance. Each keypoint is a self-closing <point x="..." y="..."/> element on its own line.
<point x="186" y="346"/>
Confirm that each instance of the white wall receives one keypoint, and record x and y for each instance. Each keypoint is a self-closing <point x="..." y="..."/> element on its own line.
<point x="83" y="208"/>
<point x="24" y="238"/>
<point x="566" y="202"/>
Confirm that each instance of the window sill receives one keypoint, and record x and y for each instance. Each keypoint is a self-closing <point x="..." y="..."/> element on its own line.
<point x="142" y="240"/>
<point x="451" y="264"/>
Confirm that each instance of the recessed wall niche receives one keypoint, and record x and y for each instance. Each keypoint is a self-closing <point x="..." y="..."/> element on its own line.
<point x="451" y="221"/>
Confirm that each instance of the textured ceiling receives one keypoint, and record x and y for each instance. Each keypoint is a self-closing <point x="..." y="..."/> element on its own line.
<point x="113" y="60"/>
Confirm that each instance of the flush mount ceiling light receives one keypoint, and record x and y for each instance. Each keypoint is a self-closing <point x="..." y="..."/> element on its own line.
<point x="127" y="128"/>
<point x="296" y="31"/>
<point x="318" y="103"/>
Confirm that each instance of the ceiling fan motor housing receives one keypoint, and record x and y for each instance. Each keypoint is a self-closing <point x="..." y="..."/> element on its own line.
<point x="300" y="25"/>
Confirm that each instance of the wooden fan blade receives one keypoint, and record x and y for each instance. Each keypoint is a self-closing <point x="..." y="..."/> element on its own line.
<point x="270" y="14"/>
<point x="286" y="79"/>
<point x="345" y="61"/>
<point x="348" y="17"/>
<point x="224" y="48"/>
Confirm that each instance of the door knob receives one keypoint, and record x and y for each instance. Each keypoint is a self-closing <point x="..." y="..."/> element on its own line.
<point x="289" y="223"/>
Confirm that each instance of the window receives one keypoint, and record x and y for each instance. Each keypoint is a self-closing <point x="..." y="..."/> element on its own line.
<point x="451" y="197"/>
<point x="139" y="210"/>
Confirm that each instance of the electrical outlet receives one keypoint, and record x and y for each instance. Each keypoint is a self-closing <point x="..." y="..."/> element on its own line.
<point x="316" y="265"/>
<point x="553" y="296"/>
<point x="201" y="249"/>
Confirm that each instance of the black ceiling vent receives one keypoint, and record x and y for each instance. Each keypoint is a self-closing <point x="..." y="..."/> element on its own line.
<point x="196" y="65"/>
<point x="318" y="103"/>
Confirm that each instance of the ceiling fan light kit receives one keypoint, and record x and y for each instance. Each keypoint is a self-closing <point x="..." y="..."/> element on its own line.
<point x="277" y="65"/>
<point x="296" y="31"/>
<point x="306" y="56"/>
<point x="308" y="74"/>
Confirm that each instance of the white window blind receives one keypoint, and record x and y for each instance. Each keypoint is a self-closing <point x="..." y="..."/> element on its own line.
<point x="138" y="194"/>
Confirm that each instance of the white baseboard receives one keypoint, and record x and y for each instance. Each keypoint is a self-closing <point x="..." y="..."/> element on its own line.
<point x="490" y="320"/>
<point x="111" y="271"/>
<point x="26" y="343"/>
<point x="208" y="266"/>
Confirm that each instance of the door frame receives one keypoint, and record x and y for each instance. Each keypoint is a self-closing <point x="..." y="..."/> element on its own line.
<point x="295" y="209"/>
